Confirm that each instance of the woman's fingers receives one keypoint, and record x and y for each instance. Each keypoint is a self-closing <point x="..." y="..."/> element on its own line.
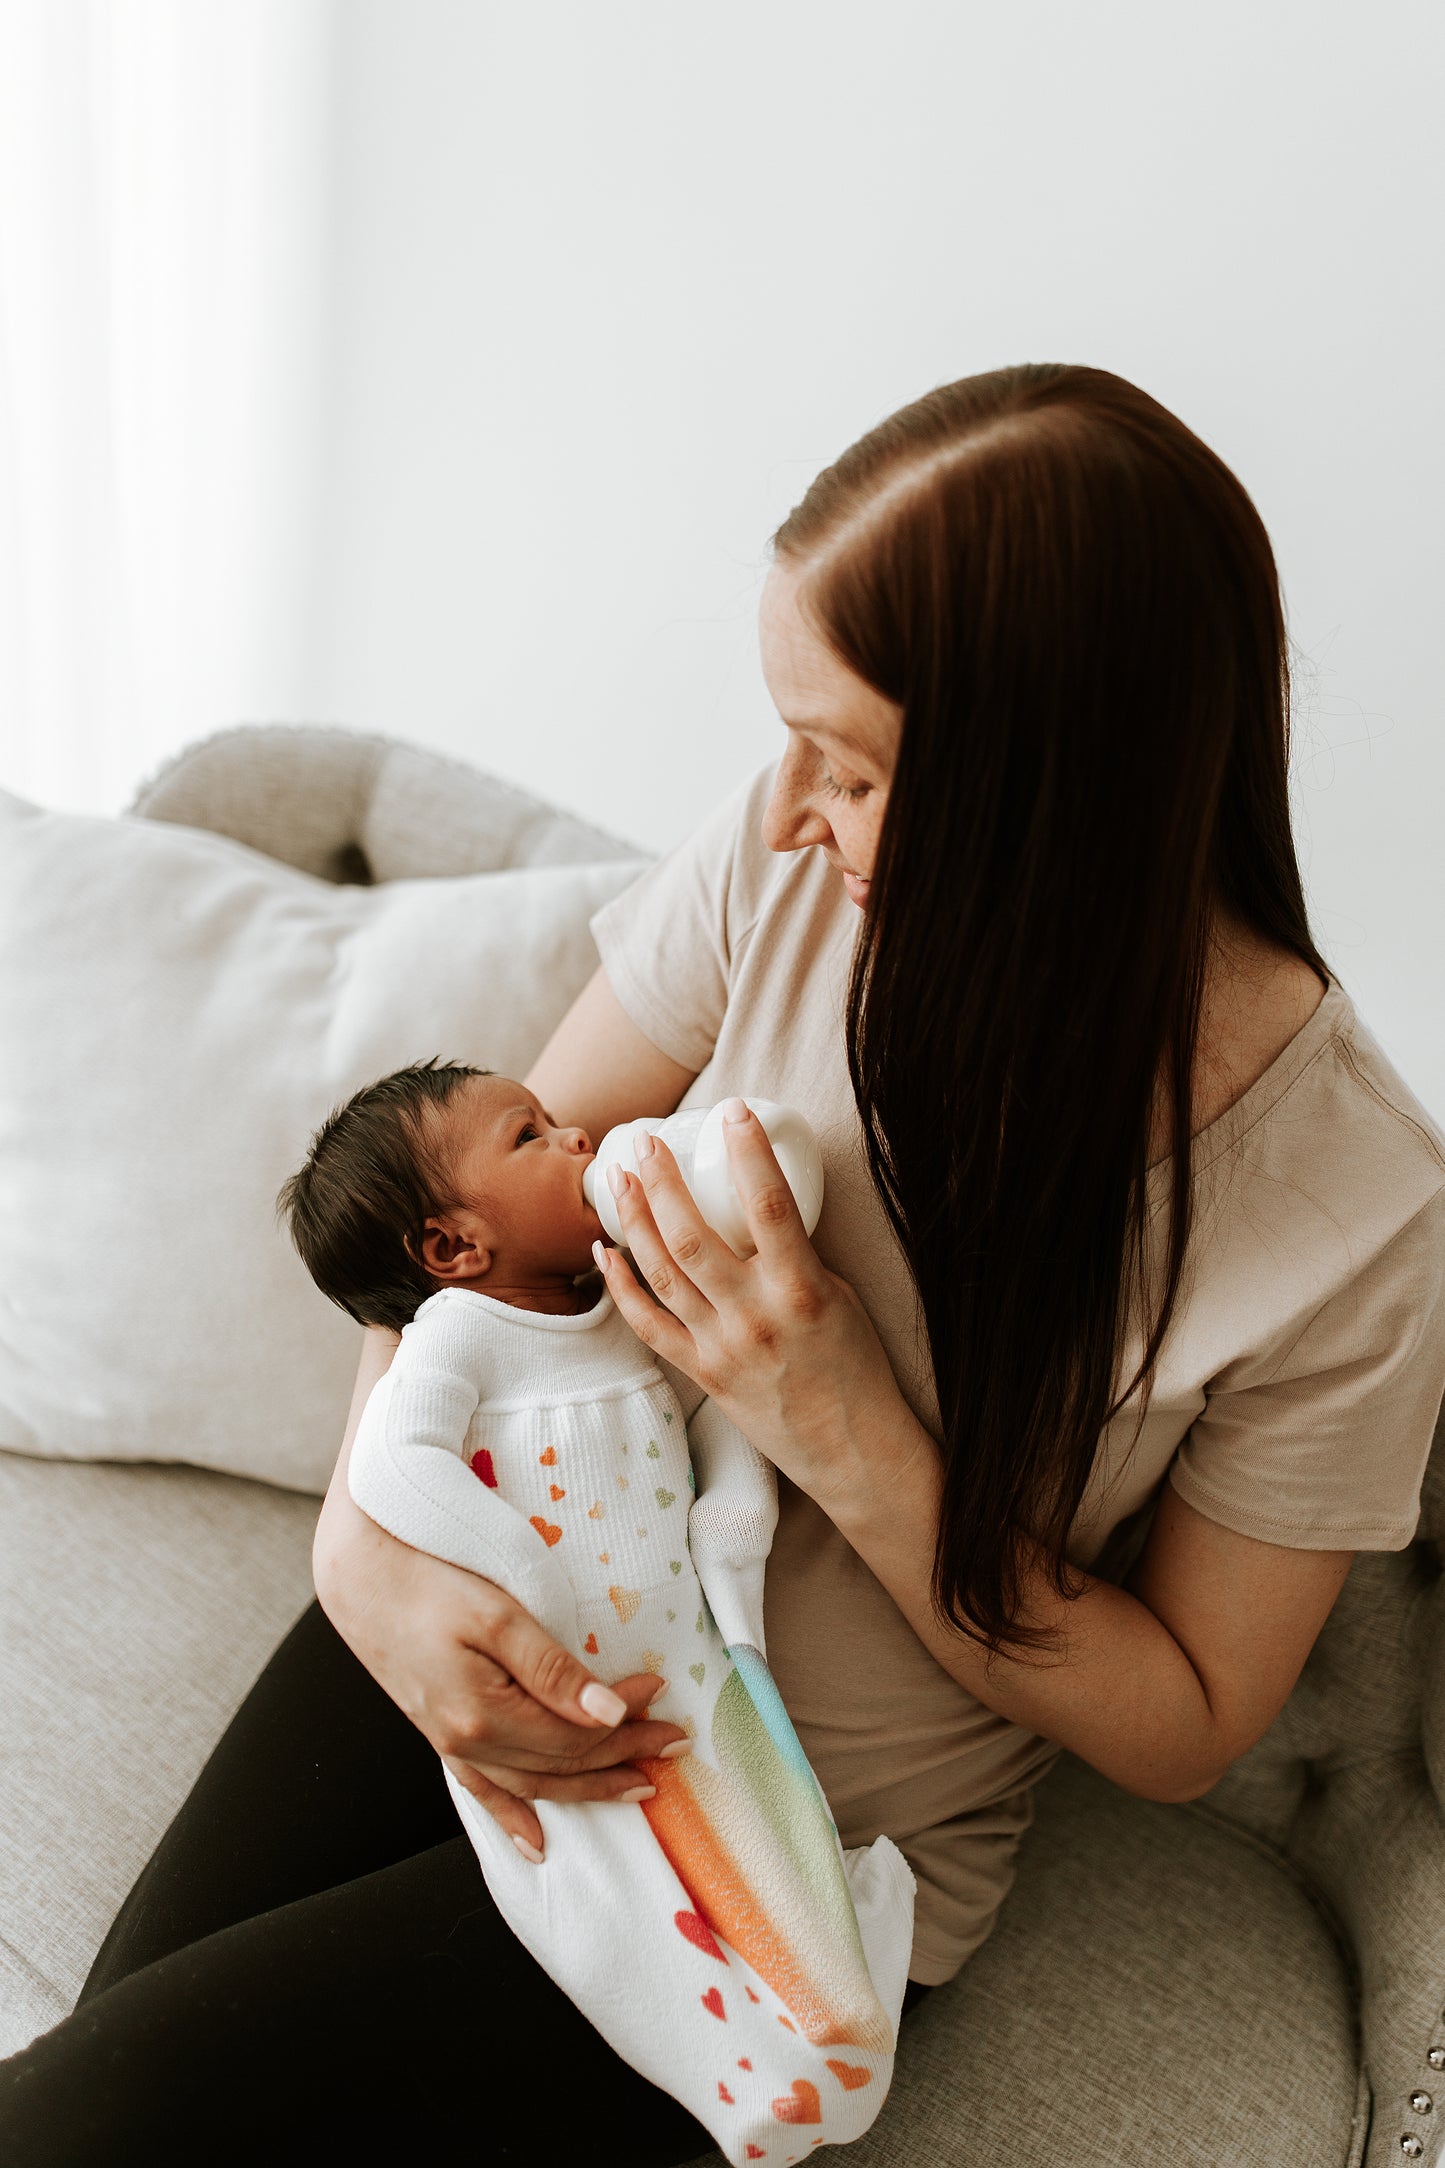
<point x="670" y="1241"/>
<point x="506" y="1800"/>
<point x="522" y="1658"/>
<point x="774" y="1221"/>
<point x="548" y="1673"/>
<point x="504" y="1726"/>
<point x="604" y="1770"/>
<point x="510" y="1814"/>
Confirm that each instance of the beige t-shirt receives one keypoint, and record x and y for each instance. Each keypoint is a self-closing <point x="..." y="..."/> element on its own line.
<point x="1295" y="1395"/>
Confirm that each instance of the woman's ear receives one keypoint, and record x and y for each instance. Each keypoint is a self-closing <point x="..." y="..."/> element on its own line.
<point x="455" y="1251"/>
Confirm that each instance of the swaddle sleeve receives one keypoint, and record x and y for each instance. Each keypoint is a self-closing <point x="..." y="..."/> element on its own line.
<point x="731" y="1522"/>
<point x="408" y="1470"/>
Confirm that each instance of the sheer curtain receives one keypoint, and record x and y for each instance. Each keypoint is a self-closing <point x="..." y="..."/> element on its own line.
<point x="164" y="230"/>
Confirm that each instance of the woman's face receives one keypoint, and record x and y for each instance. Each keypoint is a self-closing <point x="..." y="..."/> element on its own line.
<point x="832" y="788"/>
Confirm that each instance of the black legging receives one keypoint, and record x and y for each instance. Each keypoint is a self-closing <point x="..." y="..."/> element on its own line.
<point x="311" y="1966"/>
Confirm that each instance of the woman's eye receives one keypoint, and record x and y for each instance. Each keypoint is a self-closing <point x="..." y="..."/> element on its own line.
<point x="836" y="789"/>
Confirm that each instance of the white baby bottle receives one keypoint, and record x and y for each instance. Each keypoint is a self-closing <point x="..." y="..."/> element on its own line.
<point x="695" y="1140"/>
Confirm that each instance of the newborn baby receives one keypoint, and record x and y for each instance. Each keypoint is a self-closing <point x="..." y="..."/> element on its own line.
<point x="716" y="1934"/>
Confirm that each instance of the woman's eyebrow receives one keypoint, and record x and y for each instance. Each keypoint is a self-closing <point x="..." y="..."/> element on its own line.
<point x="821" y="729"/>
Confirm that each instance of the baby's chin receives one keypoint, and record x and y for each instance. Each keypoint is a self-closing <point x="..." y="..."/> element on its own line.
<point x="575" y="1239"/>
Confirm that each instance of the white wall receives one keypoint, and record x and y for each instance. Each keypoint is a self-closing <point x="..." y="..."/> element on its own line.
<point x="615" y="281"/>
<point x="609" y="283"/>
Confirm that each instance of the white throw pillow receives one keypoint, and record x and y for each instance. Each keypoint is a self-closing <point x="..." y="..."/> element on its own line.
<point x="178" y="1014"/>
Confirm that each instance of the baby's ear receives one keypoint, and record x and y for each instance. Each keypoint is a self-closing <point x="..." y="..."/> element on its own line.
<point x="453" y="1251"/>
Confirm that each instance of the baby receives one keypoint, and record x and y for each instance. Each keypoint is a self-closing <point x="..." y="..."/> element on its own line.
<point x="715" y="1933"/>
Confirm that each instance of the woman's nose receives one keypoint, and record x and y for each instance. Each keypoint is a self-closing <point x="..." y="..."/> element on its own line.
<point x="790" y="823"/>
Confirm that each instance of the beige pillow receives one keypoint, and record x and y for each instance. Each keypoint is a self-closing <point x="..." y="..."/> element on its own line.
<point x="177" y="1015"/>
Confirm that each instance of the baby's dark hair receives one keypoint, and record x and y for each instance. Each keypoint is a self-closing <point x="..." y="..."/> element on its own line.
<point x="357" y="1209"/>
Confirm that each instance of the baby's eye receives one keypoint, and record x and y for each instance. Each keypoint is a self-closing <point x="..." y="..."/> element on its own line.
<point x="527" y="1134"/>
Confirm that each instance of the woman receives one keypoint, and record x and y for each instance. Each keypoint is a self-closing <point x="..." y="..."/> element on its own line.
<point x="1132" y="1236"/>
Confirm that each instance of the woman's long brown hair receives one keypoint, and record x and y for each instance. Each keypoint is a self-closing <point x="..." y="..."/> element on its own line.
<point x="1076" y="605"/>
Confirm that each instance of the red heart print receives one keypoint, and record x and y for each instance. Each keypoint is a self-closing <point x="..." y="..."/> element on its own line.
<point x="712" y="2000"/>
<point x="743" y="2063"/>
<point x="849" y="2075"/>
<point x="482" y="1466"/>
<point x="751" y="1996"/>
<point x="699" y="1933"/>
<point x="801" y="2105"/>
<point x="590" y="1644"/>
<point x="724" y="2094"/>
<point x="755" y="2152"/>
<point x="549" y="1458"/>
<point x="547" y="1530"/>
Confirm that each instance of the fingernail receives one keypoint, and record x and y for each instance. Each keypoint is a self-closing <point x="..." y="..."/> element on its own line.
<point x="616" y="1179"/>
<point x="673" y="1748"/>
<point x="662" y="1686"/>
<point x="528" y="1851"/>
<point x="600" y="1701"/>
<point x="642" y="1791"/>
<point x="735" y="1110"/>
<point x="599" y="1256"/>
<point x="642" y="1144"/>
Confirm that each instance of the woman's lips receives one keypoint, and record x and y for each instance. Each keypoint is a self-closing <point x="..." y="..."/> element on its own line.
<point x="855" y="883"/>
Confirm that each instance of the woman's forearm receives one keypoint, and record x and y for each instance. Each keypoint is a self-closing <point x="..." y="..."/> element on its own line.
<point x="1125" y="1697"/>
<point x="342" y="1526"/>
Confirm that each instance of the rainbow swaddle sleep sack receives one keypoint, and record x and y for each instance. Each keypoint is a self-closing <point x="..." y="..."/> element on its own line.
<point x="717" y="1935"/>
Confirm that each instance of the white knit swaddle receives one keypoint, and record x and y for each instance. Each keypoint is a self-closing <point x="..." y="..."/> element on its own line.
<point x="717" y="1935"/>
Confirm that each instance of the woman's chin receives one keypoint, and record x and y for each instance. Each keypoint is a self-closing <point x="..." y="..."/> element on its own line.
<point x="857" y="889"/>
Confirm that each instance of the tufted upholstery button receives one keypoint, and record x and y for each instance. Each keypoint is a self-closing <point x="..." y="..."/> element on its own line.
<point x="1421" y="2103"/>
<point x="1410" y="2146"/>
<point x="1436" y="2058"/>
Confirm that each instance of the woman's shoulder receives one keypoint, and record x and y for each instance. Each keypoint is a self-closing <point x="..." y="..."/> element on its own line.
<point x="1289" y="1056"/>
<point x="1326" y="1172"/>
<point x="1331" y="1083"/>
<point x="752" y="880"/>
<point x="672" y="942"/>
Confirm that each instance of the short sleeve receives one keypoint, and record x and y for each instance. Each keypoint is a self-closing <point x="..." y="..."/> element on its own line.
<point x="1327" y="1451"/>
<point x="667" y="942"/>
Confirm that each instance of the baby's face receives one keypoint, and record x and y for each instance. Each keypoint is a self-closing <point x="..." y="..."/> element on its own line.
<point x="510" y="1165"/>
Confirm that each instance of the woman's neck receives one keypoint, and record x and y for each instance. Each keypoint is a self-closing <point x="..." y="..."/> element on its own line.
<point x="1257" y="997"/>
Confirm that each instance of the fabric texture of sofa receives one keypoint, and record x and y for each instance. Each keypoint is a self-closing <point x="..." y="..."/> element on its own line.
<point x="1257" y="1978"/>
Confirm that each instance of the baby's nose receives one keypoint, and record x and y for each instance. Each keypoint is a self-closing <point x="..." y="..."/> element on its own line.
<point x="576" y="1140"/>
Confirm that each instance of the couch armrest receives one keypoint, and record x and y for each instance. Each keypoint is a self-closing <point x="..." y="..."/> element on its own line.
<point x="349" y="806"/>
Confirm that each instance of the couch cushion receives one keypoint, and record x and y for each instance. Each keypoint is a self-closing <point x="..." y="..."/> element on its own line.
<point x="347" y="805"/>
<point x="181" y="1014"/>
<point x="136" y="1607"/>
<point x="1159" y="1989"/>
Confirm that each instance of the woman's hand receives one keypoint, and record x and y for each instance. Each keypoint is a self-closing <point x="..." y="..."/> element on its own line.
<point x="498" y="1698"/>
<point x="783" y="1345"/>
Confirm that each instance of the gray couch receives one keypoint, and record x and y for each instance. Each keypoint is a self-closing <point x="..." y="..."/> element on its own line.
<point x="1258" y="1978"/>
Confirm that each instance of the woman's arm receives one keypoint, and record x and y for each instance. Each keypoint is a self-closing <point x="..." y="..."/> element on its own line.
<point x="1161" y="1685"/>
<point x="598" y="1069"/>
